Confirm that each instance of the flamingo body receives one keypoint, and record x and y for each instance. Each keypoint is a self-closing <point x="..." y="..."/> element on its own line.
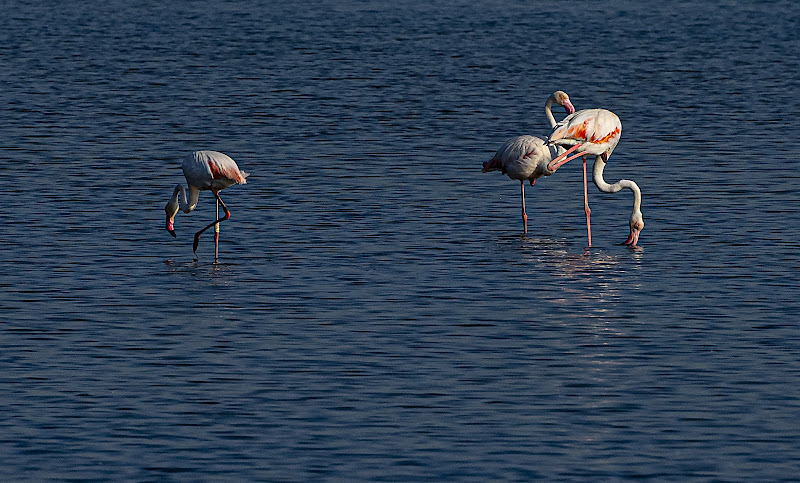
<point x="595" y="132"/>
<point x="527" y="158"/>
<point x="204" y="170"/>
<point x="212" y="170"/>
<point x="522" y="158"/>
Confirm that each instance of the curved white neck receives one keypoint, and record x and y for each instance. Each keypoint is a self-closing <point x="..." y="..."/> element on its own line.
<point x="549" y="112"/>
<point x="597" y="175"/>
<point x="179" y="196"/>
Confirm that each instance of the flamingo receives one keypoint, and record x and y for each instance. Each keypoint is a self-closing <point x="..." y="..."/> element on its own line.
<point x="204" y="170"/>
<point x="595" y="132"/>
<point x="527" y="157"/>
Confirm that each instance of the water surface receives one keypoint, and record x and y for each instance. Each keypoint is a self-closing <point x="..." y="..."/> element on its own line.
<point x="375" y="313"/>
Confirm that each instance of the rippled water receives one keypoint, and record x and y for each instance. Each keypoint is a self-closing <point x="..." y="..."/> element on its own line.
<point x="376" y="313"/>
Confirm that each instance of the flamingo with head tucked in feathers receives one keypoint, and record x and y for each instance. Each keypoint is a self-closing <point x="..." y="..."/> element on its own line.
<point x="527" y="157"/>
<point x="204" y="170"/>
<point x="595" y="132"/>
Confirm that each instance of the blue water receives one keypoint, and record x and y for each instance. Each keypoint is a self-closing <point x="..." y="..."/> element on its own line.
<point x="375" y="313"/>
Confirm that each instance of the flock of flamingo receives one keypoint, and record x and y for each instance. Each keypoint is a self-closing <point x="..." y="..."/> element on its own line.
<point x="588" y="132"/>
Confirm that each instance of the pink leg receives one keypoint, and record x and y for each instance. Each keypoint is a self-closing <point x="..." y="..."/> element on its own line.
<point x="216" y="236"/>
<point x="586" y="203"/>
<point x="559" y="160"/>
<point x="227" y="215"/>
<point x="524" y="216"/>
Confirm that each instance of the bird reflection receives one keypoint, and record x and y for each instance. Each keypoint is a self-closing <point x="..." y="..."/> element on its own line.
<point x="218" y="273"/>
<point x="588" y="281"/>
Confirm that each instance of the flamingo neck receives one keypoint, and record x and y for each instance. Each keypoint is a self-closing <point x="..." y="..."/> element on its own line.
<point x="597" y="174"/>
<point x="179" y="197"/>
<point x="548" y="111"/>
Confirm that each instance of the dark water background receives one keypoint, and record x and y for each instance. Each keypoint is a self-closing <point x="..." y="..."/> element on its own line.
<point x="376" y="314"/>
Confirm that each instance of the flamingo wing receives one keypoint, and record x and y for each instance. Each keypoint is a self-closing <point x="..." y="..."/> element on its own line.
<point x="223" y="167"/>
<point x="520" y="148"/>
<point x="520" y="157"/>
<point x="598" y="130"/>
<point x="212" y="169"/>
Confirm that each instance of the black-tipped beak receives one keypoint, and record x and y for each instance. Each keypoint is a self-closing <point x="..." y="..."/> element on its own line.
<point x="172" y="232"/>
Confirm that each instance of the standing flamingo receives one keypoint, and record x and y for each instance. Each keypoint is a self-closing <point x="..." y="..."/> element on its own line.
<point x="204" y="170"/>
<point x="527" y="157"/>
<point x="595" y="132"/>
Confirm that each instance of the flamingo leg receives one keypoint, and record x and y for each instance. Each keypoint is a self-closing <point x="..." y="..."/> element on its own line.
<point x="559" y="160"/>
<point x="216" y="235"/>
<point x="524" y="215"/>
<point x="586" y="203"/>
<point x="227" y="215"/>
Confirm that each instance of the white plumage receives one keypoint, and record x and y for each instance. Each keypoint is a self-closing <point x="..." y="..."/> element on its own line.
<point x="595" y="132"/>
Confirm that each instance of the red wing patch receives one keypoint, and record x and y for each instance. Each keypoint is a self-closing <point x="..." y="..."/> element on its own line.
<point x="578" y="131"/>
<point x="607" y="137"/>
<point x="223" y="172"/>
<point x="216" y="173"/>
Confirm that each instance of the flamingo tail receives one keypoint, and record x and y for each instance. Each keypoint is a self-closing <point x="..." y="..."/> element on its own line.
<point x="492" y="165"/>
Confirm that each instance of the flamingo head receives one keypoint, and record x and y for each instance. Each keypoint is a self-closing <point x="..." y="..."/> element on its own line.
<point x="563" y="100"/>
<point x="637" y="224"/>
<point x="172" y="210"/>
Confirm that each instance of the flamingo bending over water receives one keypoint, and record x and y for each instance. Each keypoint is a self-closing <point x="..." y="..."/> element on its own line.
<point x="204" y="170"/>
<point x="595" y="132"/>
<point x="527" y="157"/>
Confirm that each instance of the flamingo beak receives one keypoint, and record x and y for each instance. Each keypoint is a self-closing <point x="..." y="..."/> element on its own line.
<point x="633" y="238"/>
<point x="569" y="107"/>
<point x="171" y="227"/>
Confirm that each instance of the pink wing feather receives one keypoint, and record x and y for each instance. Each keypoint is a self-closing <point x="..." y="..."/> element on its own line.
<point x="598" y="129"/>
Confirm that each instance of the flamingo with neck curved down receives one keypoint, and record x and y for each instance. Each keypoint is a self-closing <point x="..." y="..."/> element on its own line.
<point x="595" y="132"/>
<point x="204" y="170"/>
<point x="527" y="157"/>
